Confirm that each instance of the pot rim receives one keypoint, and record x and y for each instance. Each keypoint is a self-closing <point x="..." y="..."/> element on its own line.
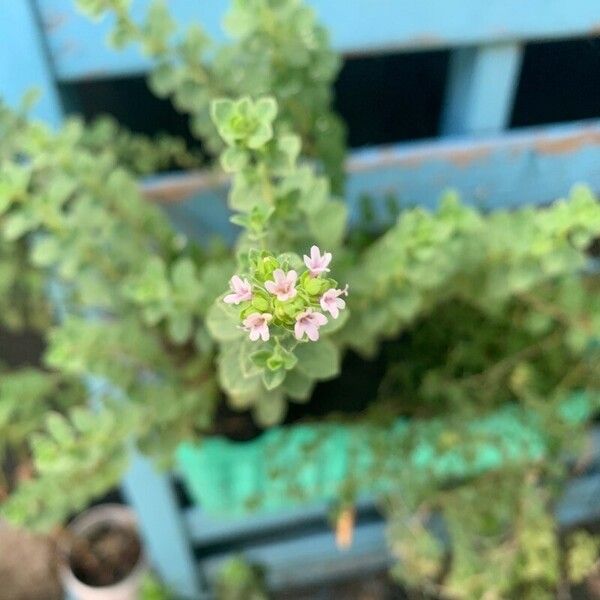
<point x="87" y="521"/>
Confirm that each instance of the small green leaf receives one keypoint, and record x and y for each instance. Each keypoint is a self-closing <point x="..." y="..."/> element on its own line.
<point x="221" y="111"/>
<point x="270" y="408"/>
<point x="59" y="428"/>
<point x="273" y="378"/>
<point x="260" y="304"/>
<point x="266" y="109"/>
<point x="313" y="286"/>
<point x="320" y="360"/>
<point x="328" y="223"/>
<point x="234" y="159"/>
<point x="260" y="136"/>
<point x="260" y="358"/>
<point x="164" y="78"/>
<point x="298" y="386"/>
<point x="83" y="419"/>
<point x="16" y="225"/>
<point x="180" y="327"/>
<point x="231" y="374"/>
<point x="288" y="358"/>
<point x="334" y="325"/>
<point x="240" y="220"/>
<point x="45" y="251"/>
<point x="274" y="362"/>
<point x="290" y="146"/>
<point x="183" y="273"/>
<point x="223" y="322"/>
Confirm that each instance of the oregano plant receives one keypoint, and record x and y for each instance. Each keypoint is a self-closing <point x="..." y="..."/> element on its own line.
<point x="277" y="47"/>
<point x="151" y="336"/>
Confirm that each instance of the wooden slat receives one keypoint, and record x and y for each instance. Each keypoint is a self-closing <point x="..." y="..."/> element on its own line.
<point x="24" y="63"/>
<point x="287" y="546"/>
<point x="530" y="166"/>
<point x="162" y="526"/>
<point x="320" y="560"/>
<point x="206" y="530"/>
<point x="357" y="26"/>
<point x="480" y="90"/>
<point x="313" y="559"/>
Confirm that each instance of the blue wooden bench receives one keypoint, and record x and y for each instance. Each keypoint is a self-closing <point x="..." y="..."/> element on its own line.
<point x="45" y="44"/>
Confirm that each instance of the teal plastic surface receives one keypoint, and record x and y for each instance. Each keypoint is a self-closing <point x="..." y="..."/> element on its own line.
<point x="290" y="466"/>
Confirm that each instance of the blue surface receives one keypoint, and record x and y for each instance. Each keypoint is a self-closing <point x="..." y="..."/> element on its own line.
<point x="481" y="87"/>
<point x="162" y="526"/>
<point x="357" y="26"/>
<point x="24" y="63"/>
<point x="321" y="560"/>
<point x="530" y="166"/>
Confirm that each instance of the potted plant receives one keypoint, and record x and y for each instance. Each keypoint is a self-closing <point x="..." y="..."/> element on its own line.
<point x="466" y="340"/>
<point x="32" y="400"/>
<point x="103" y="557"/>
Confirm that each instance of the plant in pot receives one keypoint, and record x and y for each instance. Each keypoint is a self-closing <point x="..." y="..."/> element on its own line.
<point x="465" y="340"/>
<point x="59" y="451"/>
<point x="35" y="441"/>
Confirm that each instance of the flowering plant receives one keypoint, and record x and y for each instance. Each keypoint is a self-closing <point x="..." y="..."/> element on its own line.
<point x="282" y="309"/>
<point x="460" y="311"/>
<point x="273" y="296"/>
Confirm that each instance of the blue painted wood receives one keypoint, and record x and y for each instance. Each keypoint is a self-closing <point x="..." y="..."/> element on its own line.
<point x="208" y="529"/>
<point x="321" y="560"/>
<point x="314" y="558"/>
<point x="480" y="89"/>
<point x="528" y="166"/>
<point x="162" y="527"/>
<point x="357" y="26"/>
<point x="24" y="63"/>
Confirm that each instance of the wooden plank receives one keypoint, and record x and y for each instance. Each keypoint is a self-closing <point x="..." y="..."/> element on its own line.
<point x="357" y="27"/>
<point x="207" y="529"/>
<point x="313" y="559"/>
<point x="151" y="495"/>
<point x="322" y="561"/>
<point x="24" y="63"/>
<point x="529" y="166"/>
<point x="480" y="90"/>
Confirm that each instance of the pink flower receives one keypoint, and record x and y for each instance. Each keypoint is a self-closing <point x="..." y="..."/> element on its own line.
<point x="309" y="322"/>
<point x="317" y="263"/>
<point x="258" y="325"/>
<point x="241" y="288"/>
<point x="284" y="284"/>
<point x="332" y="303"/>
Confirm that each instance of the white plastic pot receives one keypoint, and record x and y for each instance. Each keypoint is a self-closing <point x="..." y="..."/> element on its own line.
<point x="126" y="589"/>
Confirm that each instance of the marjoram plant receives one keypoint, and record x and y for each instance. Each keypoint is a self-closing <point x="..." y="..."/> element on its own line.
<point x="148" y="332"/>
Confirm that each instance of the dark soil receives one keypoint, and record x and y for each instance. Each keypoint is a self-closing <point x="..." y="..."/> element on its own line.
<point x="105" y="556"/>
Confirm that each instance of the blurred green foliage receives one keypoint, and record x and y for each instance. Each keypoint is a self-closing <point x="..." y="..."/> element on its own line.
<point x="239" y="580"/>
<point x="277" y="47"/>
<point x="485" y="309"/>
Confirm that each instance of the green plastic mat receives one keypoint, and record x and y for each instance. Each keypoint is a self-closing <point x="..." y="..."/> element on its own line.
<point x="289" y="466"/>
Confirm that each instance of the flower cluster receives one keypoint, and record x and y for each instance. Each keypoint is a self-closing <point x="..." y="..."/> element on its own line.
<point x="272" y="295"/>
